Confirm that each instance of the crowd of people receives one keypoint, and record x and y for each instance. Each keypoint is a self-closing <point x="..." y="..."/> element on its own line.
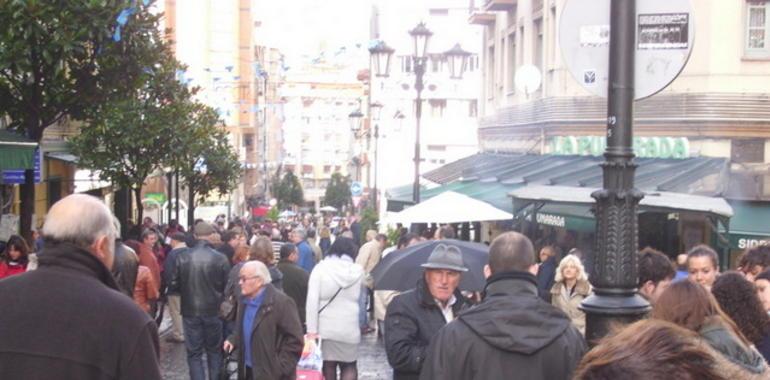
<point x="256" y="294"/>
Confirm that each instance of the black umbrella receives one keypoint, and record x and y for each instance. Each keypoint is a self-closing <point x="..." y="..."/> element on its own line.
<point x="400" y="270"/>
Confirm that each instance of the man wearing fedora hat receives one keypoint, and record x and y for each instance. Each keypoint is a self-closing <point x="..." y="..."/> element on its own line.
<point x="414" y="317"/>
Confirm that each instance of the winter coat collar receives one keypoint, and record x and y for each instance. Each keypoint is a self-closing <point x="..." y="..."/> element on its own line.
<point x="511" y="283"/>
<point x="69" y="256"/>
<point x="582" y="288"/>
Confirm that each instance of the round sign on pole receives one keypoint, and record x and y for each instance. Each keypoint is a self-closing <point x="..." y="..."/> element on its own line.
<point x="356" y="189"/>
<point x="665" y="31"/>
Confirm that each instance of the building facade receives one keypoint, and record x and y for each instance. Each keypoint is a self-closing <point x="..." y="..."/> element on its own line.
<point x="318" y="98"/>
<point x="717" y="106"/>
<point x="450" y="107"/>
<point x="215" y="39"/>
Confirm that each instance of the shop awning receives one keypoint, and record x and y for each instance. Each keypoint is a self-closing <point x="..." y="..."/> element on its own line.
<point x="749" y="226"/>
<point x="654" y="201"/>
<point x="16" y="151"/>
<point x="490" y="177"/>
<point x="449" y="207"/>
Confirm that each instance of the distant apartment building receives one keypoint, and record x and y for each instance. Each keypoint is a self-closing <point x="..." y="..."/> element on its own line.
<point x="317" y="100"/>
<point x="215" y="40"/>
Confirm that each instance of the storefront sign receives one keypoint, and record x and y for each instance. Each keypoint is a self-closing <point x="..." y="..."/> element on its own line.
<point x="746" y="241"/>
<point x="652" y="147"/>
<point x="551" y="220"/>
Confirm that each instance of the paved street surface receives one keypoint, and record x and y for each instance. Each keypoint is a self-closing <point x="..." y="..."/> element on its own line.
<point x="372" y="364"/>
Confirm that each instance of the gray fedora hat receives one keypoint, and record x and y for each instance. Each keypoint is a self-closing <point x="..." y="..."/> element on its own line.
<point x="446" y="257"/>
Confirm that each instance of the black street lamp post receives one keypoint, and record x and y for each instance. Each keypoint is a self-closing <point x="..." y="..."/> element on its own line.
<point x="615" y="270"/>
<point x="421" y="36"/>
<point x="380" y="59"/>
<point x="356" y="119"/>
<point x="375" y="110"/>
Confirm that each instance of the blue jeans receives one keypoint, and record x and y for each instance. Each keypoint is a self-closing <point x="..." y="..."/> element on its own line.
<point x="203" y="334"/>
<point x="362" y="313"/>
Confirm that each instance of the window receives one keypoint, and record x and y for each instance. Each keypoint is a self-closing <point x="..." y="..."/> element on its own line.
<point x="491" y="72"/>
<point x="747" y="151"/>
<point x="439" y="12"/>
<point x="552" y="39"/>
<point x="511" y="62"/>
<point x="537" y="51"/>
<point x="473" y="108"/>
<point x="435" y="64"/>
<point x="437" y="107"/>
<point x="757" y="29"/>
<point x="406" y="64"/>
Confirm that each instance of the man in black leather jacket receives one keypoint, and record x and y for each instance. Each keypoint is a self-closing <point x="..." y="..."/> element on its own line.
<point x="199" y="277"/>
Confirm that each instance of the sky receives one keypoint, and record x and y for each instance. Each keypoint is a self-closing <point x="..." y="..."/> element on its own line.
<point x="307" y="27"/>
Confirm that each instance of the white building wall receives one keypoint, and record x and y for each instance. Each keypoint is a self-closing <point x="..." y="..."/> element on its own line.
<point x="447" y="132"/>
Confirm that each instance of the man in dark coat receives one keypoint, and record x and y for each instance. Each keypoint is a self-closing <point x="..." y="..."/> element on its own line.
<point x="67" y="319"/>
<point x="414" y="317"/>
<point x="268" y="332"/>
<point x="295" y="279"/>
<point x="512" y="333"/>
<point x="200" y="276"/>
<point x="546" y="273"/>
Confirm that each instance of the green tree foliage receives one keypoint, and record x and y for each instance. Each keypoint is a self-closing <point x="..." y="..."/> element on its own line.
<point x="132" y="136"/>
<point x="58" y="59"/>
<point x="369" y="219"/>
<point x="204" y="154"/>
<point x="338" y="191"/>
<point x="287" y="190"/>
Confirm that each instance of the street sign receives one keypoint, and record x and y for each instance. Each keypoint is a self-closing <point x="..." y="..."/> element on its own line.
<point x="356" y="189"/>
<point x="665" y="31"/>
<point x="356" y="200"/>
<point x="16" y="177"/>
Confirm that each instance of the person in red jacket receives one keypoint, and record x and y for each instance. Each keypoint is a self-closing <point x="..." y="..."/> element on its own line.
<point x="14" y="258"/>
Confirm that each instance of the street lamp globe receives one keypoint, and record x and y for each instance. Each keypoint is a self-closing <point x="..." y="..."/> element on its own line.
<point x="356" y="118"/>
<point x="381" y="54"/>
<point x="375" y="109"/>
<point x="458" y="61"/>
<point x="421" y="35"/>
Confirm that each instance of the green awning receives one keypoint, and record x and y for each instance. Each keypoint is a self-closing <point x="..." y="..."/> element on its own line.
<point x="16" y="152"/>
<point x="571" y="217"/>
<point x="750" y="224"/>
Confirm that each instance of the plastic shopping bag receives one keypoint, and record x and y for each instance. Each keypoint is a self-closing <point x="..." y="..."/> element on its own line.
<point x="311" y="358"/>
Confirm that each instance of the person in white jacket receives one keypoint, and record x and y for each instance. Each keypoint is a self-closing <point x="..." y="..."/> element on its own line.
<point x="332" y="309"/>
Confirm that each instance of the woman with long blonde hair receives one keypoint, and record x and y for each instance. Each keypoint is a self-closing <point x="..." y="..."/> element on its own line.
<point x="570" y="288"/>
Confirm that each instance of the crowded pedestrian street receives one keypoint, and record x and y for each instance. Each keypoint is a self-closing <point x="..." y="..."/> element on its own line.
<point x="384" y="189"/>
<point x="372" y="361"/>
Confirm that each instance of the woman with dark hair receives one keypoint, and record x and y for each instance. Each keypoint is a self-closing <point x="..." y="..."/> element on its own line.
<point x="332" y="309"/>
<point x="660" y="350"/>
<point x="691" y="306"/>
<point x="14" y="258"/>
<point x="739" y="300"/>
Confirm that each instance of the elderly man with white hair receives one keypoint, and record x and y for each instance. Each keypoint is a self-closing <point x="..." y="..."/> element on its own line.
<point x="268" y="331"/>
<point x="306" y="255"/>
<point x="67" y="319"/>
